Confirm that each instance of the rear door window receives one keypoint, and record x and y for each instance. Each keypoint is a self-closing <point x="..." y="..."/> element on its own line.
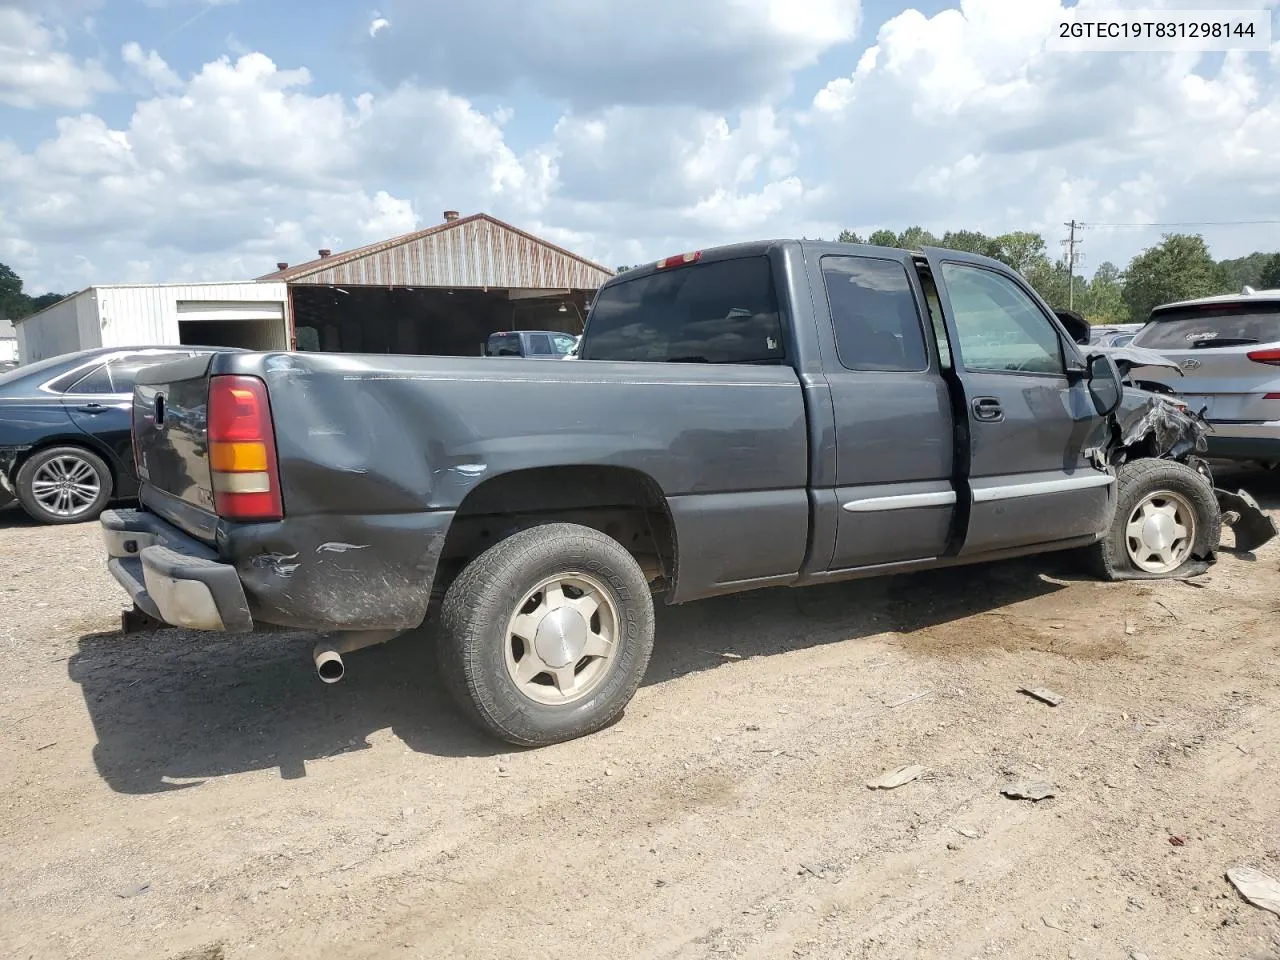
<point x="96" y="381"/>
<point x="874" y="312"/>
<point x="1198" y="328"/>
<point x="504" y="345"/>
<point x="724" y="311"/>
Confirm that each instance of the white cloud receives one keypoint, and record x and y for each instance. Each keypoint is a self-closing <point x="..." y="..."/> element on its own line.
<point x="151" y="67"/>
<point x="378" y="25"/>
<point x="675" y="134"/>
<point x="241" y="165"/>
<point x="34" y="69"/>
<point x="716" y="54"/>
<point x="964" y="119"/>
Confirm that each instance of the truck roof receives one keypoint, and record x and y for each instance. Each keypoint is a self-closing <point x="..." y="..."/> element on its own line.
<point x="757" y="248"/>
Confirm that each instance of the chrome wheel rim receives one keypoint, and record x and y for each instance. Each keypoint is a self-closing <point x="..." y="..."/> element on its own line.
<point x="562" y="639"/>
<point x="1161" y="532"/>
<point x="66" y="485"/>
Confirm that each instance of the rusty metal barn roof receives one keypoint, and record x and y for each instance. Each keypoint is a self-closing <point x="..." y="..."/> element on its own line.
<point x="475" y="251"/>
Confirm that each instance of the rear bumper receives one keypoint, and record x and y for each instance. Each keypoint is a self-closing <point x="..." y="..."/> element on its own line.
<point x="1258" y="440"/>
<point x="173" y="577"/>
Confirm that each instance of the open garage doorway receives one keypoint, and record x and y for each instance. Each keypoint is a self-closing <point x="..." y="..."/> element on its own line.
<point x="251" y="326"/>
<point x="426" y="320"/>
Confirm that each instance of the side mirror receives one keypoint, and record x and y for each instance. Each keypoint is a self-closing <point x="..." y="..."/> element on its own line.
<point x="1105" y="387"/>
<point x="1076" y="325"/>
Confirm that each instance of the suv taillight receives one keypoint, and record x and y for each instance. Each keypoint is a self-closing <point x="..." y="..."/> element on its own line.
<point x="1271" y="357"/>
<point x="242" y="450"/>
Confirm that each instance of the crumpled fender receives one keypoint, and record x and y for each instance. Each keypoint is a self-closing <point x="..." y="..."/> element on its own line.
<point x="1158" y="425"/>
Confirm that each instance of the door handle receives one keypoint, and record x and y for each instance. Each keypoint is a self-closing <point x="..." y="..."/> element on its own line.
<point x="987" y="409"/>
<point x="91" y="408"/>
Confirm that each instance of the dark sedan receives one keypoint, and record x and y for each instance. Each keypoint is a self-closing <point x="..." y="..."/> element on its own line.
<point x="65" y="444"/>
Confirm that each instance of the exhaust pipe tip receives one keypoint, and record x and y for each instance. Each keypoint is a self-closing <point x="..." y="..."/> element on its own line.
<point x="329" y="665"/>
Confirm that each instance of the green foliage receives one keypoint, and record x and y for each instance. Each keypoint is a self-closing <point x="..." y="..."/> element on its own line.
<point x="14" y="304"/>
<point x="1177" y="268"/>
<point x="1245" y="271"/>
<point x="1269" y="277"/>
<point x="848" y="236"/>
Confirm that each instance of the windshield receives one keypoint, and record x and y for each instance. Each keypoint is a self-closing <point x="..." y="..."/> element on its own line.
<point x="1217" y="325"/>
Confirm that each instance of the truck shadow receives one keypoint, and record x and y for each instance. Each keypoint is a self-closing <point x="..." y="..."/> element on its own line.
<point x="172" y="709"/>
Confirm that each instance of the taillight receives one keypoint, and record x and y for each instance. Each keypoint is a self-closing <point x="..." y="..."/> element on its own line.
<point x="242" y="450"/>
<point x="679" y="260"/>
<point x="1271" y="357"/>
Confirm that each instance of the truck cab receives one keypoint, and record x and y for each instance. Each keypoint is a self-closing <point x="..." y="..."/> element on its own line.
<point x="552" y="344"/>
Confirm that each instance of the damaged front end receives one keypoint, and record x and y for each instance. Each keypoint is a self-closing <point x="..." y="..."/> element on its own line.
<point x="1152" y="421"/>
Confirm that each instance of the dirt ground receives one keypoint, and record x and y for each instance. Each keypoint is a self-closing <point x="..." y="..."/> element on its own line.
<point x="176" y="795"/>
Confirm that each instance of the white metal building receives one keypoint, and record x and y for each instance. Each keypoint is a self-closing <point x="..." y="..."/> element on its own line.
<point x="8" y="341"/>
<point x="253" y="315"/>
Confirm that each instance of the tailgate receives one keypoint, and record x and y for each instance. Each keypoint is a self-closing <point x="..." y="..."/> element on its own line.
<point x="170" y="416"/>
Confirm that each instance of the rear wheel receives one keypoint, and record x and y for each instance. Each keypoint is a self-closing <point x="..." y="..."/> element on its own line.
<point x="1166" y="516"/>
<point x="546" y="635"/>
<point x="64" y="485"/>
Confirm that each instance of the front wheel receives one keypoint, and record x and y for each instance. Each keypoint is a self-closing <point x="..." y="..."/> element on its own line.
<point x="1166" y="517"/>
<point x="546" y="635"/>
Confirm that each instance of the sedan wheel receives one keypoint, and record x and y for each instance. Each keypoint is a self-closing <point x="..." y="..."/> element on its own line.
<point x="66" y="486"/>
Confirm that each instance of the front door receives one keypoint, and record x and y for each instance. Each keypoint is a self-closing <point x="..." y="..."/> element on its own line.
<point x="1029" y="415"/>
<point x="895" y="432"/>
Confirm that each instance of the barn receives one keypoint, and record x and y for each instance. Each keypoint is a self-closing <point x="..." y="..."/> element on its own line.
<point x="442" y="290"/>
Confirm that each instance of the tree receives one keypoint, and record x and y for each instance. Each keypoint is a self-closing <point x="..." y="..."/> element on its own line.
<point x="1178" y="268"/>
<point x="914" y="238"/>
<point x="970" y="241"/>
<point x="1245" y="271"/>
<point x="1269" y="278"/>
<point x="14" y="304"/>
<point x="11" y="293"/>
<point x="848" y="236"/>
<point x="883" y="238"/>
<point x="1021" y="250"/>
<point x="1104" y="302"/>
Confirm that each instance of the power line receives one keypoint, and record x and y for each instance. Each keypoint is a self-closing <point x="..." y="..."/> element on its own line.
<point x="1184" y="223"/>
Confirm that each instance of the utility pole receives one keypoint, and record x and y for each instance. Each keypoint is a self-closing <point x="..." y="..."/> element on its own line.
<point x="1070" y="243"/>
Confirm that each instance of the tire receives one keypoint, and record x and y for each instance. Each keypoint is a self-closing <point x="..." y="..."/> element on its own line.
<point x="482" y="645"/>
<point x="88" y="491"/>
<point x="1162" y="485"/>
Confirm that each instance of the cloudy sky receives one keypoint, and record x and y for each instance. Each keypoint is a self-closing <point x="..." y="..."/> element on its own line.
<point x="176" y="139"/>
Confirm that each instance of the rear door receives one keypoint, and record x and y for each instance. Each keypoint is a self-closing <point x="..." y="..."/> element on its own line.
<point x="895" y="433"/>
<point x="1228" y="354"/>
<point x="1027" y="411"/>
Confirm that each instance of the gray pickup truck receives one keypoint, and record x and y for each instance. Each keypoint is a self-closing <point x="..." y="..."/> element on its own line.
<point x="769" y="414"/>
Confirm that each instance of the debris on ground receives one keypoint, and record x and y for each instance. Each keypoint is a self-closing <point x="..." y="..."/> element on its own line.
<point x="896" y="778"/>
<point x="911" y="699"/>
<point x="135" y="891"/>
<point x="1256" y="887"/>
<point x="1250" y="524"/>
<point x="1034" y="790"/>
<point x="1178" y="841"/>
<point x="1042" y="694"/>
